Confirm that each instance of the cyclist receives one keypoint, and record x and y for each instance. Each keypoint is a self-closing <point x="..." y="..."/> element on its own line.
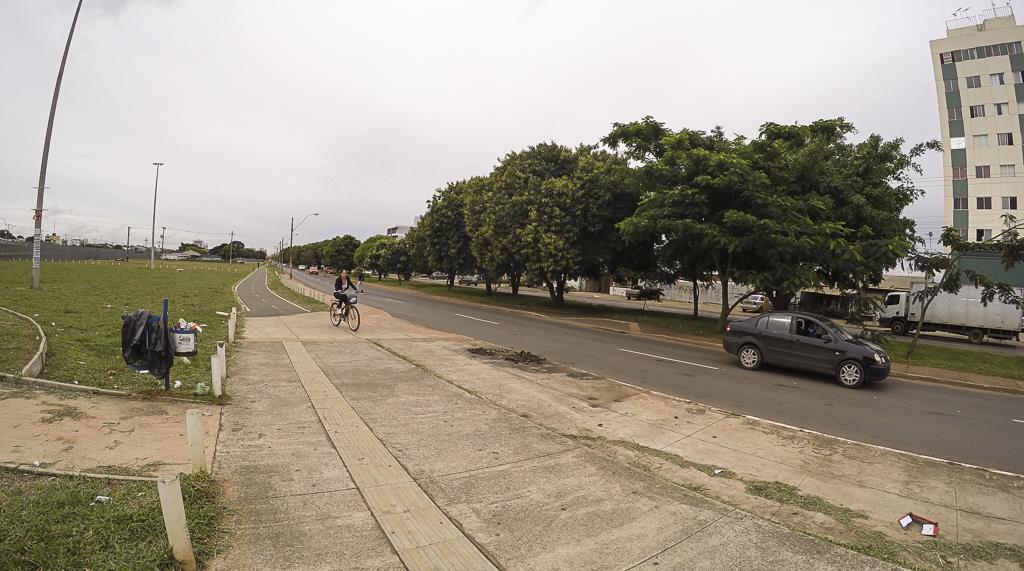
<point x="342" y="284"/>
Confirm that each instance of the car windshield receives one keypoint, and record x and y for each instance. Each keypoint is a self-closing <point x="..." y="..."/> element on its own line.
<point x="837" y="331"/>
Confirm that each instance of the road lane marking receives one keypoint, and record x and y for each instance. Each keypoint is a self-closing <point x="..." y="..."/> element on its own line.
<point x="389" y="299"/>
<point x="267" y="284"/>
<point x="478" y="319"/>
<point x="1015" y="420"/>
<point x="668" y="359"/>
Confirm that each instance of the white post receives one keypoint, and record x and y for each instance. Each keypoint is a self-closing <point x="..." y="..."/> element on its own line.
<point x="222" y="354"/>
<point x="231" y="329"/>
<point x="194" y="431"/>
<point x="215" y="368"/>
<point x="173" y="508"/>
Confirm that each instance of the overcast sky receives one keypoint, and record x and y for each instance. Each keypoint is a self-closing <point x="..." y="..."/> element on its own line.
<point x="263" y="110"/>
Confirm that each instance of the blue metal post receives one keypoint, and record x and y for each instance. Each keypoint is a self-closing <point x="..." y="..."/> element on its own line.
<point x="167" y="377"/>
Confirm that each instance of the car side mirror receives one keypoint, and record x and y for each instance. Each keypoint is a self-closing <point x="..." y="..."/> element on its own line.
<point x="826" y="339"/>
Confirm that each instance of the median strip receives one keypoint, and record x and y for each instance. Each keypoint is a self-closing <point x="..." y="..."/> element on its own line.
<point x="668" y="359"/>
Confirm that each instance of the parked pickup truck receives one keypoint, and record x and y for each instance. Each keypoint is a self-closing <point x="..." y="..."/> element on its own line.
<point x="961" y="313"/>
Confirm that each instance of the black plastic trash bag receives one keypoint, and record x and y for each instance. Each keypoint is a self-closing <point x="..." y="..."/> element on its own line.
<point x="146" y="343"/>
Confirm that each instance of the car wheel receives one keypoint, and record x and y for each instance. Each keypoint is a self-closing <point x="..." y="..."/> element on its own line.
<point x="976" y="336"/>
<point x="899" y="328"/>
<point x="850" y="374"/>
<point x="750" y="357"/>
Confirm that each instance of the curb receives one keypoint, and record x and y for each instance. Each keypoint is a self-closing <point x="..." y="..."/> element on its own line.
<point x="714" y="345"/>
<point x="38" y="361"/>
<point x="52" y="472"/>
<point x="64" y="386"/>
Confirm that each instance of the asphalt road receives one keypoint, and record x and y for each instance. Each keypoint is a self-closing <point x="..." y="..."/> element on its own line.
<point x="963" y="425"/>
<point x="260" y="301"/>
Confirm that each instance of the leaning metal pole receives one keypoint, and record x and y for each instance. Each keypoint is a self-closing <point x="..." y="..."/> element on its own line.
<point x="38" y="215"/>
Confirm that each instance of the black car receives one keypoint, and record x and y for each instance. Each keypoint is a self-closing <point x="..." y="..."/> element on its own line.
<point x="805" y="341"/>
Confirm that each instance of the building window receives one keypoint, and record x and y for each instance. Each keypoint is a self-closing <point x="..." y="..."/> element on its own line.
<point x="963" y="233"/>
<point x="1000" y="50"/>
<point x="955" y="114"/>
<point x="959" y="173"/>
<point x="952" y="85"/>
<point x="984" y="203"/>
<point x="1014" y="47"/>
<point x="977" y="111"/>
<point x="1005" y="138"/>
<point x="996" y="79"/>
<point x="1002" y="108"/>
<point x="947" y="57"/>
<point x="1009" y="203"/>
<point x="1007" y="170"/>
<point x="1018" y="76"/>
<point x="973" y="81"/>
<point x="983" y="235"/>
<point x="983" y="171"/>
<point x="969" y="53"/>
<point x="981" y="140"/>
<point x="960" y="203"/>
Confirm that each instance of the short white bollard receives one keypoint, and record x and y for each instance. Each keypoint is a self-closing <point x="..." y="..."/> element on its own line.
<point x="215" y="368"/>
<point x="231" y="329"/>
<point x="194" y="433"/>
<point x="222" y="354"/>
<point x="173" y="508"/>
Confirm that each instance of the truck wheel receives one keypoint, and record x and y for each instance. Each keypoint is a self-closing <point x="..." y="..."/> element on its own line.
<point x="976" y="336"/>
<point x="899" y="327"/>
<point x="850" y="374"/>
<point x="750" y="357"/>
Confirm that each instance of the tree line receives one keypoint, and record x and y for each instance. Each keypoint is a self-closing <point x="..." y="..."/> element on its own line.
<point x="797" y="206"/>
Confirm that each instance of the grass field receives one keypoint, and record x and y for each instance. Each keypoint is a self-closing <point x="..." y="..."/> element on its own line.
<point x="656" y="322"/>
<point x="19" y="341"/>
<point x="274" y="282"/>
<point x="79" y="307"/>
<point x="55" y="522"/>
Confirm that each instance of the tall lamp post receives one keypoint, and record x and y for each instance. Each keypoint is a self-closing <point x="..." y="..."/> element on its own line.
<point x="38" y="214"/>
<point x="291" y="241"/>
<point x="152" y="237"/>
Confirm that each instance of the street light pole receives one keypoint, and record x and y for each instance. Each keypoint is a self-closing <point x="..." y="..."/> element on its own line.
<point x="291" y="241"/>
<point x="152" y="240"/>
<point x="38" y="214"/>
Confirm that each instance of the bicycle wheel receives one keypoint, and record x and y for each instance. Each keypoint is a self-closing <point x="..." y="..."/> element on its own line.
<point x="353" y="318"/>
<point x="335" y="314"/>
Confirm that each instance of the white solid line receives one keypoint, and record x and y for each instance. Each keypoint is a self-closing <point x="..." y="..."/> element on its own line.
<point x="389" y="299"/>
<point x="668" y="359"/>
<point x="267" y="274"/>
<point x="1015" y="420"/>
<point x="478" y="319"/>
<point x="238" y="297"/>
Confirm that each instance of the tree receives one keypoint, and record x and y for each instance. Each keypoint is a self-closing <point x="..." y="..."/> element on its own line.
<point x="371" y="255"/>
<point x="416" y="240"/>
<point x="481" y="226"/>
<point x="398" y="258"/>
<point x="445" y="238"/>
<point x="6" y="234"/>
<point x="339" y="252"/>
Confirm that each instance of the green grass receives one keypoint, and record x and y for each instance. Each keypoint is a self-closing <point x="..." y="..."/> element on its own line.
<point x="672" y="324"/>
<point x="788" y="494"/>
<point x="932" y="553"/>
<point x="79" y="306"/>
<point x="60" y="413"/>
<point x="274" y="282"/>
<point x="19" y="341"/>
<point x="55" y="523"/>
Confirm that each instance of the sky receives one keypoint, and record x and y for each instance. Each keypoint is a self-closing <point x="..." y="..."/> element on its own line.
<point x="264" y="110"/>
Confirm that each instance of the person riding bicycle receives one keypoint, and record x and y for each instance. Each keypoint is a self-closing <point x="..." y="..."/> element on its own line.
<point x="342" y="284"/>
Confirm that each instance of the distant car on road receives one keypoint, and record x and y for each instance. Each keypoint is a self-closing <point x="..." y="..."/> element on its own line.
<point x="438" y="276"/>
<point x="470" y="280"/>
<point x="314" y="271"/>
<point x="805" y="341"/>
<point x="330" y="271"/>
<point x="753" y="303"/>
<point x="302" y="268"/>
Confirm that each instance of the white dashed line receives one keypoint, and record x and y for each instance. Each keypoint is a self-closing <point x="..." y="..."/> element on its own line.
<point x="1015" y="420"/>
<point x="668" y="359"/>
<point x="389" y="299"/>
<point x="478" y="319"/>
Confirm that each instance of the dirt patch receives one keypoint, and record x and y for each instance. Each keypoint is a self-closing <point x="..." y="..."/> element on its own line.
<point x="518" y="357"/>
<point x="61" y="412"/>
<point x="149" y="410"/>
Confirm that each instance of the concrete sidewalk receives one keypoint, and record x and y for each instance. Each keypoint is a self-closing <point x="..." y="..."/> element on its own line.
<point x="395" y="446"/>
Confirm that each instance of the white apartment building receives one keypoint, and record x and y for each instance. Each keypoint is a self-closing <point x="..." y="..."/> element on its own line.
<point x="979" y="79"/>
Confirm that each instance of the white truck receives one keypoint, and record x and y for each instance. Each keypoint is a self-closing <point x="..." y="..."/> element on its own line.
<point x="961" y="313"/>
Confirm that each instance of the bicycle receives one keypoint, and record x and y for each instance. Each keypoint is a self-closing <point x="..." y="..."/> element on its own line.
<point x="349" y="314"/>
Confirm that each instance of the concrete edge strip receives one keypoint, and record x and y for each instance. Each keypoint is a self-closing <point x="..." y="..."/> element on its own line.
<point x="283" y="299"/>
<point x="705" y="344"/>
<point x="57" y="385"/>
<point x="38" y="361"/>
<point x="53" y="472"/>
<point x="235" y="289"/>
<point x="408" y="528"/>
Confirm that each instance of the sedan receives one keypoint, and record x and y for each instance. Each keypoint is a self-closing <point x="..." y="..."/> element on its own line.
<point x="753" y="303"/>
<point x="805" y="341"/>
<point x="313" y="271"/>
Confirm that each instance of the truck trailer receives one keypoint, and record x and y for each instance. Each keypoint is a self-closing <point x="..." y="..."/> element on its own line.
<point x="962" y="313"/>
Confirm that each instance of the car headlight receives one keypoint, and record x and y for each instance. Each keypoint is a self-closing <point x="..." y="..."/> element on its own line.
<point x="879" y="359"/>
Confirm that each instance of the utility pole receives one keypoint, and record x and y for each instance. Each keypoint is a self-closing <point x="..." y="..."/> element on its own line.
<point x="128" y="246"/>
<point x="231" y="246"/>
<point x="163" y="230"/>
<point x="38" y="215"/>
<point x="291" y="252"/>
<point x="152" y="242"/>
